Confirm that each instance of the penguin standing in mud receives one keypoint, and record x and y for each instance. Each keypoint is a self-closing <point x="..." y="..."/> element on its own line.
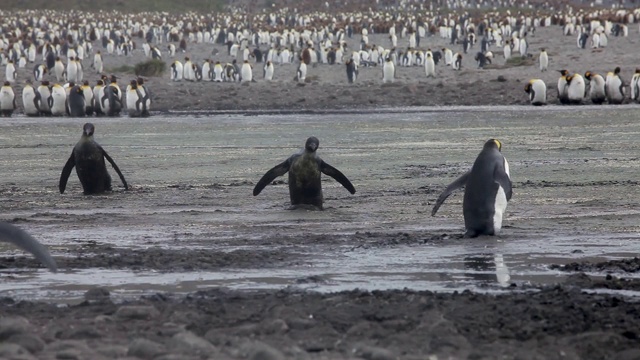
<point x="76" y="102"/>
<point x="268" y="71"/>
<point x="543" y="59"/>
<point x="10" y="72"/>
<point x="88" y="159"/>
<point x="305" y="168"/>
<point x="457" y="62"/>
<point x="134" y="100"/>
<point x="487" y="191"/>
<point x="563" y="87"/>
<point x="246" y="72"/>
<point x="537" y="91"/>
<point x="575" y="88"/>
<point x="14" y="235"/>
<point x="429" y="65"/>
<point x="58" y="100"/>
<point x="7" y="100"/>
<point x="352" y="71"/>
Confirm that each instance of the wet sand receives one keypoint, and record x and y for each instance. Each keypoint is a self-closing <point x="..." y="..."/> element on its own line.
<point x="190" y="213"/>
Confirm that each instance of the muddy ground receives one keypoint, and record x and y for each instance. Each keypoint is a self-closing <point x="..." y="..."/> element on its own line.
<point x="187" y="264"/>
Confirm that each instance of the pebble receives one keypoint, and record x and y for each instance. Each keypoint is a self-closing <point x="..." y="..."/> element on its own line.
<point x="260" y="351"/>
<point x="190" y="343"/>
<point x="30" y="342"/>
<point x="12" y="325"/>
<point x="14" y="352"/>
<point x="136" y="312"/>
<point x="145" y="349"/>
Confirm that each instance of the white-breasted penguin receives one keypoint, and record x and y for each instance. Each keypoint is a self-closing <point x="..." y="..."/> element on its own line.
<point x="597" y="92"/>
<point x="58" y="100"/>
<point x="7" y="100"/>
<point x="177" y="71"/>
<point x="30" y="100"/>
<point x="39" y="71"/>
<point x="575" y="89"/>
<point x="388" y="71"/>
<point x="44" y="92"/>
<point x="614" y="86"/>
<point x="429" y="65"/>
<point x="10" y="72"/>
<point x="58" y="69"/>
<point x="487" y="189"/>
<point x="246" y="72"/>
<point x="302" y="72"/>
<point x="544" y="60"/>
<point x="218" y="72"/>
<point x="537" y="91"/>
<point x="635" y="86"/>
<point x="268" y="71"/>
<point x="352" y="71"/>
<point x="457" y="62"/>
<point x="562" y="87"/>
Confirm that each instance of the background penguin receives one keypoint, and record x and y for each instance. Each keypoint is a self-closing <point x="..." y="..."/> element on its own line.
<point x="177" y="71"/>
<point x="481" y="59"/>
<point x="268" y="71"/>
<point x="7" y="100"/>
<point x="537" y="91"/>
<point x="487" y="191"/>
<point x="76" y="102"/>
<point x="635" y="86"/>
<point x="575" y="89"/>
<point x="614" y="87"/>
<point x="10" y="72"/>
<point x="304" y="170"/>
<point x="88" y="159"/>
<point x="14" y="235"/>
<point x="30" y="100"/>
<point x="44" y="93"/>
<point x="134" y="100"/>
<point x="302" y="72"/>
<point x="429" y="65"/>
<point x="388" y="71"/>
<point x="58" y="69"/>
<point x="112" y="98"/>
<point x="562" y="87"/>
<point x="98" y="93"/>
<point x="97" y="64"/>
<point x="544" y="60"/>
<point x="597" y="92"/>
<point x="87" y="93"/>
<point x="58" y="100"/>
<point x="448" y="56"/>
<point x="39" y="71"/>
<point x="217" y="72"/>
<point x="352" y="71"/>
<point x="246" y="72"/>
<point x="145" y="96"/>
<point x="457" y="61"/>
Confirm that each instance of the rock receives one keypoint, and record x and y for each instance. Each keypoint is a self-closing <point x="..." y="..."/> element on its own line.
<point x="136" y="312"/>
<point x="190" y="343"/>
<point x="145" y="349"/>
<point x="12" y="325"/>
<point x="374" y="353"/>
<point x="277" y="326"/>
<point x="30" y="342"/>
<point x="112" y="351"/>
<point x="261" y="351"/>
<point x="97" y="295"/>
<point x="14" y="352"/>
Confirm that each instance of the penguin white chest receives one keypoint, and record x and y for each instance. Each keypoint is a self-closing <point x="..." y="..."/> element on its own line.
<point x="500" y="203"/>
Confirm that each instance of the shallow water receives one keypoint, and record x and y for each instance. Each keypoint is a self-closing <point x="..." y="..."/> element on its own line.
<point x="575" y="194"/>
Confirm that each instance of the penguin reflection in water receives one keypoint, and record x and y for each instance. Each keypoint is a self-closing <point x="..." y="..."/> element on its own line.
<point x="88" y="158"/>
<point x="304" y="169"/>
<point x="487" y="191"/>
<point x="20" y="238"/>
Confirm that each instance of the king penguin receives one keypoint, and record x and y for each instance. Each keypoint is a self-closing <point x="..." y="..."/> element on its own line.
<point x="76" y="102"/>
<point x="487" y="189"/>
<point x="88" y="159"/>
<point x="14" y="235"/>
<point x="305" y="168"/>
<point x="246" y="72"/>
<point x="429" y="65"/>
<point x="537" y="91"/>
<point x="10" y="72"/>
<point x="635" y="86"/>
<point x="597" y="92"/>
<point x="352" y="71"/>
<point x="30" y="100"/>
<point x="39" y="71"/>
<point x="302" y="72"/>
<point x="388" y="71"/>
<point x="7" y="100"/>
<point x="614" y="86"/>
<point x="544" y="60"/>
<point x="268" y="71"/>
<point x="58" y="100"/>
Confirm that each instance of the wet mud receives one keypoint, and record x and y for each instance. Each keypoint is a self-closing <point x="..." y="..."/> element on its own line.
<point x="187" y="264"/>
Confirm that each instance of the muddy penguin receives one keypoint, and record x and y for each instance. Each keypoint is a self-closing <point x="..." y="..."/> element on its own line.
<point x="487" y="191"/>
<point x="88" y="158"/>
<point x="304" y="170"/>
<point x="14" y="235"/>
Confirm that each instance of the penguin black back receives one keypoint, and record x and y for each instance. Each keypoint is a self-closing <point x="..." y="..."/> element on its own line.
<point x="304" y="170"/>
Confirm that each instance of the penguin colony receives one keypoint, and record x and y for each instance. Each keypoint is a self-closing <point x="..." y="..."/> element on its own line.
<point x="289" y="38"/>
<point x="66" y="55"/>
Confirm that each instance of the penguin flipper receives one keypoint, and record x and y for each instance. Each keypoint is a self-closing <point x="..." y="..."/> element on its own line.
<point x="20" y="238"/>
<point x="66" y="171"/>
<point x="270" y="175"/>
<point x="115" y="167"/>
<point x="337" y="175"/>
<point x="502" y="179"/>
<point x="457" y="184"/>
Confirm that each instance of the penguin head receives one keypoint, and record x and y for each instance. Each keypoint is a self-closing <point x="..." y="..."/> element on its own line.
<point x="617" y="70"/>
<point x="493" y="144"/>
<point x="140" y="81"/>
<point x="6" y="83"/>
<point x="134" y="84"/>
<point x="100" y="83"/>
<point x="564" y="72"/>
<point x="588" y="75"/>
<point x="638" y="71"/>
<point x="527" y="88"/>
<point x="88" y="129"/>
<point x="312" y="144"/>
